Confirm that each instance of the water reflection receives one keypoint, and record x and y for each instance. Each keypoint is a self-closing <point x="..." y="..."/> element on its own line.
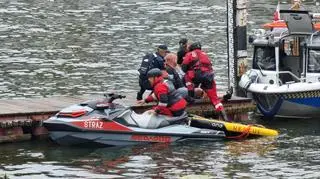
<point x="260" y="147"/>
<point x="275" y="157"/>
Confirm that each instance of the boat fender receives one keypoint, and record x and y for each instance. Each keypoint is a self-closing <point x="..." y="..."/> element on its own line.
<point x="248" y="78"/>
<point x="244" y="81"/>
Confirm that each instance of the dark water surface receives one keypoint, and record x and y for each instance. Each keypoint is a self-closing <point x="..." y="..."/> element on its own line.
<point x="295" y="154"/>
<point x="78" y="47"/>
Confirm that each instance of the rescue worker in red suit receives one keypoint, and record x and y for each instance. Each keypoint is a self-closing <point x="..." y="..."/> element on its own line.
<point x="199" y="72"/>
<point x="170" y="102"/>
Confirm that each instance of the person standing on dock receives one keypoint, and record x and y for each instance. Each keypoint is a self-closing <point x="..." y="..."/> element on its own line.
<point x="170" y="102"/>
<point x="150" y="61"/>
<point x="182" y="51"/>
<point x="183" y="48"/>
<point x="199" y="72"/>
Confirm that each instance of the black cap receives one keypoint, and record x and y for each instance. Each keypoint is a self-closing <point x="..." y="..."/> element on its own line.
<point x="163" y="47"/>
<point x="183" y="41"/>
<point x="195" y="45"/>
<point x="155" y="72"/>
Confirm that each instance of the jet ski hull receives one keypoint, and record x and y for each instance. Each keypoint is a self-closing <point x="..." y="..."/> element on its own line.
<point x="173" y="133"/>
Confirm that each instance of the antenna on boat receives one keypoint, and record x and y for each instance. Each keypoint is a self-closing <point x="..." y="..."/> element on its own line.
<point x="276" y="14"/>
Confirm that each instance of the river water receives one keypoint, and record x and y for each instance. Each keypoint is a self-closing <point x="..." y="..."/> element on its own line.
<point x="80" y="47"/>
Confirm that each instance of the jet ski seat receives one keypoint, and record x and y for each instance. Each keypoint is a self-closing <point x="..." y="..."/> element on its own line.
<point x="147" y="121"/>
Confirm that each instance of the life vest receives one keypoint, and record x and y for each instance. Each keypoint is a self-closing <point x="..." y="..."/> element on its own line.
<point x="200" y="61"/>
<point x="172" y="95"/>
<point x="196" y="61"/>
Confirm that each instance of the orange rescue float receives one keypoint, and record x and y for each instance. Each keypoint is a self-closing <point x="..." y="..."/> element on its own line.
<point x="282" y="24"/>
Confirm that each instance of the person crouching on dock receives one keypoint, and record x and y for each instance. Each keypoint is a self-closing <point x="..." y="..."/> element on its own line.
<point x="199" y="72"/>
<point x="170" y="102"/>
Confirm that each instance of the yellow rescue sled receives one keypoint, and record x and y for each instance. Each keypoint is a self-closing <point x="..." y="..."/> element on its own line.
<point x="233" y="130"/>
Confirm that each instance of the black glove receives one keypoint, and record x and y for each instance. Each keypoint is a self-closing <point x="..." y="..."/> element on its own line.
<point x="191" y="93"/>
<point x="190" y="100"/>
<point x="157" y="111"/>
<point x="228" y="95"/>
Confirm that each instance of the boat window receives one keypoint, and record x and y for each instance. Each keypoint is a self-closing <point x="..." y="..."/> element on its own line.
<point x="264" y="58"/>
<point x="314" y="61"/>
<point x="291" y="46"/>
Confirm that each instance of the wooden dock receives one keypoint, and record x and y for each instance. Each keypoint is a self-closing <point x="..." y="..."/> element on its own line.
<point x="21" y="119"/>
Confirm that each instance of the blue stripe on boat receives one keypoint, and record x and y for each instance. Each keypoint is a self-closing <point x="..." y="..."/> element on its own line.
<point x="315" y="102"/>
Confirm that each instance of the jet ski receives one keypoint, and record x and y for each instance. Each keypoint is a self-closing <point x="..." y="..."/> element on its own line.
<point x="104" y="123"/>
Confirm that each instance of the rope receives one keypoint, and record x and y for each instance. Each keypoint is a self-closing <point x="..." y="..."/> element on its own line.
<point x="243" y="135"/>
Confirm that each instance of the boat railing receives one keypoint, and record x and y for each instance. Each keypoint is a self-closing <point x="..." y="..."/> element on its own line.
<point x="311" y="38"/>
<point x="284" y="33"/>
<point x="290" y="35"/>
<point x="290" y="73"/>
<point x="284" y="36"/>
<point x="259" y="32"/>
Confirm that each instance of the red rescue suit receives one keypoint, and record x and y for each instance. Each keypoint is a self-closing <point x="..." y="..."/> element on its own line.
<point x="198" y="68"/>
<point x="169" y="100"/>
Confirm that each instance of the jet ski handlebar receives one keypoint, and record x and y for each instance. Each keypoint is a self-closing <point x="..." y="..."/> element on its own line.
<point x="111" y="97"/>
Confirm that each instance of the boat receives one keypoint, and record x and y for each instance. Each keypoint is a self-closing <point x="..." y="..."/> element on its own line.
<point x="104" y="123"/>
<point x="285" y="77"/>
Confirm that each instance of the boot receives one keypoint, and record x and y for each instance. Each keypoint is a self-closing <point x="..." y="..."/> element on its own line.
<point x="139" y="96"/>
<point x="228" y="94"/>
<point x="223" y="115"/>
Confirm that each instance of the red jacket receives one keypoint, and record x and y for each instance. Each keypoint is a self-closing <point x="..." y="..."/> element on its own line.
<point x="196" y="60"/>
<point x="169" y="100"/>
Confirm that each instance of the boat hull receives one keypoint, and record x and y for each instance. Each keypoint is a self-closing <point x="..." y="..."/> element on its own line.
<point x="293" y="105"/>
<point x="293" y="100"/>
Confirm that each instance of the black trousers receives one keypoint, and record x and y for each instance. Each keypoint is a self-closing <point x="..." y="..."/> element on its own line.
<point x="144" y="85"/>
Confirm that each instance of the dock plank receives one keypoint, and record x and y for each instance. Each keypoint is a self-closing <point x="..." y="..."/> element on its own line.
<point x="56" y="103"/>
<point x="13" y="106"/>
<point x="32" y="105"/>
<point x="28" y="105"/>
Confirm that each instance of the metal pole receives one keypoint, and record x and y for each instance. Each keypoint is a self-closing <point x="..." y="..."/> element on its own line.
<point x="277" y="65"/>
<point x="230" y="37"/>
<point x="237" y="43"/>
